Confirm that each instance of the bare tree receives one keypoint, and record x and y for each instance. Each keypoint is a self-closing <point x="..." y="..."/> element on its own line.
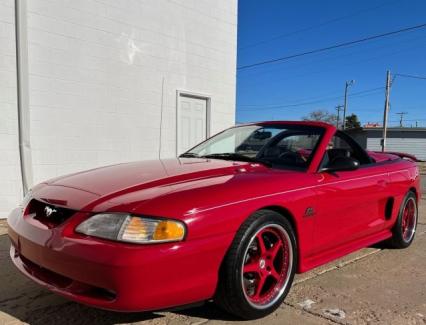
<point x="321" y="115"/>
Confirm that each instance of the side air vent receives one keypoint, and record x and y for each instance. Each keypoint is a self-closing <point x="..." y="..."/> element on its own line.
<point x="389" y="208"/>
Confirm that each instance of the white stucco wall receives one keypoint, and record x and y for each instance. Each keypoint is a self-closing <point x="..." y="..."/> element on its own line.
<point x="95" y="73"/>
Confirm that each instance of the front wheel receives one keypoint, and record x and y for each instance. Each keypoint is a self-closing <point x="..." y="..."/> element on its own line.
<point x="259" y="267"/>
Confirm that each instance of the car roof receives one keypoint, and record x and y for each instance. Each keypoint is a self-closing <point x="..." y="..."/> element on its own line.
<point x="302" y="123"/>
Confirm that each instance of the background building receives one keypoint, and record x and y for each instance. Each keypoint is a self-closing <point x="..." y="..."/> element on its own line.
<point x="111" y="81"/>
<point x="407" y="140"/>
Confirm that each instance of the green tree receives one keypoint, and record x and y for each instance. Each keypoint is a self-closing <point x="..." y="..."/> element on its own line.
<point x="352" y="122"/>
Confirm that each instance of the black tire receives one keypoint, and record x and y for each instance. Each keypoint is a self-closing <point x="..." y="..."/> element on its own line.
<point x="231" y="294"/>
<point x="400" y="239"/>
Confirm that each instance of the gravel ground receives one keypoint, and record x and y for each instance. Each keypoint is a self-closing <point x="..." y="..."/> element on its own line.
<point x="371" y="286"/>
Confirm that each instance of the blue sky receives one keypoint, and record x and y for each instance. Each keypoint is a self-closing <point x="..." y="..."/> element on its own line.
<point x="288" y="90"/>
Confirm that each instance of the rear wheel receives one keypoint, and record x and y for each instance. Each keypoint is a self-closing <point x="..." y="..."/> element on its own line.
<point x="406" y="224"/>
<point x="259" y="268"/>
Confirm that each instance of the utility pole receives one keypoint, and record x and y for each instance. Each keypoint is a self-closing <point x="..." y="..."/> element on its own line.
<point x="386" y="111"/>
<point x="401" y="116"/>
<point x="338" y="109"/>
<point x="417" y="125"/>
<point x="345" y="105"/>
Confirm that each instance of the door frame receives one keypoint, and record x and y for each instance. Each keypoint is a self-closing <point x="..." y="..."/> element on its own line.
<point x="184" y="93"/>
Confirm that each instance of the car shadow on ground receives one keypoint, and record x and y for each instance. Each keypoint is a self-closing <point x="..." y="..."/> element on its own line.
<point x="26" y="301"/>
<point x="53" y="309"/>
<point x="74" y="313"/>
<point x="207" y="310"/>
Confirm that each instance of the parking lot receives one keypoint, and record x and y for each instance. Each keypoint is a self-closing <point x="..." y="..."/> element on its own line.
<point x="372" y="286"/>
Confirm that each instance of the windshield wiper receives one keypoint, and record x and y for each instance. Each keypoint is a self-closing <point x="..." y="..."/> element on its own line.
<point x="189" y="155"/>
<point x="236" y="156"/>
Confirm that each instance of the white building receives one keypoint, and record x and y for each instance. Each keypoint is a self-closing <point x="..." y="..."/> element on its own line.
<point x="108" y="81"/>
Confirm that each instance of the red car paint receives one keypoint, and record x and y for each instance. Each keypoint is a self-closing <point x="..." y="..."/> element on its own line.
<point x="213" y="198"/>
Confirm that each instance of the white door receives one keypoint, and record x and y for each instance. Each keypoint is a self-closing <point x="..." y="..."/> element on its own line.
<point x="191" y="122"/>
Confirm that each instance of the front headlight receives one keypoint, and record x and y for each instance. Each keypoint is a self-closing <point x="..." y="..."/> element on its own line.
<point x="130" y="228"/>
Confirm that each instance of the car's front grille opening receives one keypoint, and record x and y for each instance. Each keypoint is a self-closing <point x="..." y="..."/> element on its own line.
<point x="48" y="214"/>
<point x="66" y="284"/>
<point x="45" y="275"/>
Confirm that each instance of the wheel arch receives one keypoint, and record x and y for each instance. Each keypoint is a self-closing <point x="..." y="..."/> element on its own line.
<point x="414" y="190"/>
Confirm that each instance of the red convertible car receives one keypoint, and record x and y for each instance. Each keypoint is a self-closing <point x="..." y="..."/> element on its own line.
<point x="233" y="219"/>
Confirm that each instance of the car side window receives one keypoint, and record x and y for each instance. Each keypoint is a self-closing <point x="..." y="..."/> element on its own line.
<point x="340" y="147"/>
<point x="293" y="149"/>
<point x="251" y="145"/>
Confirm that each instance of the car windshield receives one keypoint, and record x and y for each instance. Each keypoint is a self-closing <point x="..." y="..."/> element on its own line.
<point x="275" y="145"/>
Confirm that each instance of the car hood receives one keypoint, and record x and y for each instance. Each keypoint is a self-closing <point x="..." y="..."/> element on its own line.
<point x="88" y="189"/>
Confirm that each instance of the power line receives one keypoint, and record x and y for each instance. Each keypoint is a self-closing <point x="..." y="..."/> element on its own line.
<point x="411" y="120"/>
<point x="315" y="26"/>
<point x="317" y="98"/>
<point x="275" y="106"/>
<point x="409" y="76"/>
<point x="366" y="39"/>
<point x="402" y="47"/>
<point x="397" y="121"/>
<point x="279" y="77"/>
<point x="326" y="99"/>
<point x="294" y="101"/>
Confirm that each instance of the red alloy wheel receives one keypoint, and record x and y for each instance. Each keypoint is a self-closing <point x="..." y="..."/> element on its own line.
<point x="267" y="266"/>
<point x="409" y="219"/>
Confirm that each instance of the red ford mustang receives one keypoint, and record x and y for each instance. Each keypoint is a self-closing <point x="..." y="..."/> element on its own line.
<point x="232" y="219"/>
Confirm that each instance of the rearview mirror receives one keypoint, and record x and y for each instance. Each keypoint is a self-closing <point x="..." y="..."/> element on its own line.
<point x="341" y="164"/>
<point x="262" y="135"/>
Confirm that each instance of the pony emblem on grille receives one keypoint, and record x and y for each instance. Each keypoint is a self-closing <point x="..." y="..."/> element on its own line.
<point x="49" y="211"/>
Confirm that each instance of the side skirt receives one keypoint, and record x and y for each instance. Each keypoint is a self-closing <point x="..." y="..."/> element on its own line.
<point x="333" y="254"/>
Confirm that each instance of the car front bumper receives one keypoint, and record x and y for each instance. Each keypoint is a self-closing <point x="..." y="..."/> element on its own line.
<point x="116" y="276"/>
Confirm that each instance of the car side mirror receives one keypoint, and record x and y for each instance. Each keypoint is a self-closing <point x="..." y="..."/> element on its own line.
<point x="341" y="164"/>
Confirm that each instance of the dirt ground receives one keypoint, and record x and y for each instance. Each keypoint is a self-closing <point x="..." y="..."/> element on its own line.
<point x="371" y="286"/>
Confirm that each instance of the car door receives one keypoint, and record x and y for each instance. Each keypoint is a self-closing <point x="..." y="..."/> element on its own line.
<point x="350" y="204"/>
